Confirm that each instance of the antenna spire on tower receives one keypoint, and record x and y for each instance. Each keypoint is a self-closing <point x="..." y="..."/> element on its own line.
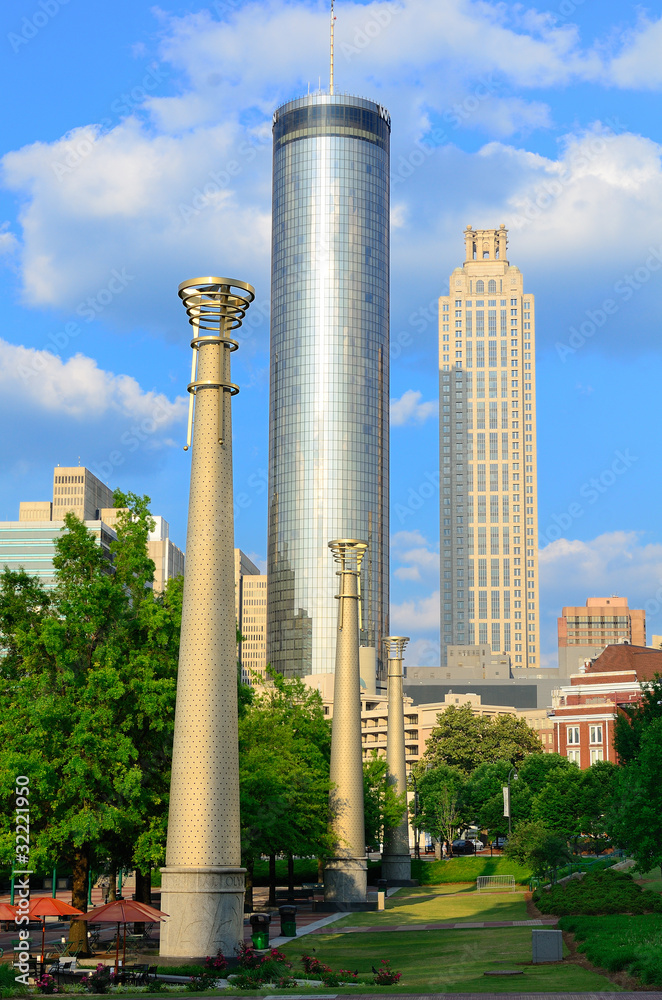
<point x="333" y="17"/>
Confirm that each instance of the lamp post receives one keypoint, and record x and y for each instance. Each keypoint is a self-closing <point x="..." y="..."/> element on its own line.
<point x="513" y="771"/>
<point x="417" y="843"/>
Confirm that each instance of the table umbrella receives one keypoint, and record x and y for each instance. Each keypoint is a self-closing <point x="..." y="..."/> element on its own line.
<point x="7" y="911"/>
<point x="122" y="911"/>
<point x="46" y="906"/>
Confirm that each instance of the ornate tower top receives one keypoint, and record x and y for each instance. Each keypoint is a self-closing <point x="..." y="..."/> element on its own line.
<point x="485" y="245"/>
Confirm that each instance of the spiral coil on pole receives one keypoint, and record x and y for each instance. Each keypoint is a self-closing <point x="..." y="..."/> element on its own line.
<point x="218" y="305"/>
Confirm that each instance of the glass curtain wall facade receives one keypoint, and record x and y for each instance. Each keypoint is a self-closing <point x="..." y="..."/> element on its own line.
<point x="329" y="389"/>
<point x="489" y="500"/>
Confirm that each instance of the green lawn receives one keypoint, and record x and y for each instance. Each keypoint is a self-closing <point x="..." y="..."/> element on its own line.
<point x="651" y="880"/>
<point x="466" y="869"/>
<point x="448" y="961"/>
<point x="437" y="904"/>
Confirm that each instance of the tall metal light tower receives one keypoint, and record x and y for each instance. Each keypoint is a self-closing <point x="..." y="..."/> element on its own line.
<point x="396" y="860"/>
<point x="203" y="881"/>
<point x="345" y="875"/>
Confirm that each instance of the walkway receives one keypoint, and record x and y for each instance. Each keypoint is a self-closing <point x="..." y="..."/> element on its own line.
<point x="458" y="925"/>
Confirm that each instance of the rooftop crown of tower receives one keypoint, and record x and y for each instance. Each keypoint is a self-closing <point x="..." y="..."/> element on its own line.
<point x="485" y="245"/>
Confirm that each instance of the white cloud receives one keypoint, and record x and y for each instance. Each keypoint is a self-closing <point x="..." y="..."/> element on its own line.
<point x="638" y="63"/>
<point x="78" y="388"/>
<point x="8" y="242"/>
<point x="413" y="549"/>
<point x="420" y="615"/>
<point x="410" y="410"/>
<point x="423" y="653"/>
<point x="617" y="562"/>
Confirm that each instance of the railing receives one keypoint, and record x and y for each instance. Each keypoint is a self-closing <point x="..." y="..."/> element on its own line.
<point x="551" y="876"/>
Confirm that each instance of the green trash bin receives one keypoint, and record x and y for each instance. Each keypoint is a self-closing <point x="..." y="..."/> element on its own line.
<point x="288" y="920"/>
<point x="260" y="930"/>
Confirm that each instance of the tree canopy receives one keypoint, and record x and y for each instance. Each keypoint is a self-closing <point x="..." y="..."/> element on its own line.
<point x="87" y="698"/>
<point x="464" y="740"/>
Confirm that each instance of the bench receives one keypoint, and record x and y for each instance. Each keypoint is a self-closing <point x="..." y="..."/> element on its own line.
<point x="299" y="895"/>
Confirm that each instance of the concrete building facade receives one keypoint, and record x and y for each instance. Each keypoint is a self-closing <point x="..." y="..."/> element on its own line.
<point x="584" y="631"/>
<point x="489" y="509"/>
<point x="30" y="541"/>
<point x="329" y="376"/>
<point x="250" y="596"/>
<point x="584" y="711"/>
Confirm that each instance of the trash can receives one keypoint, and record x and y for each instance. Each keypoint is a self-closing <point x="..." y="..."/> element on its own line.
<point x="260" y="930"/>
<point x="381" y="893"/>
<point x="288" y="920"/>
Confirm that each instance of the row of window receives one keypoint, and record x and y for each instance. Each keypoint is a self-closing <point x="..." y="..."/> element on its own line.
<point x="572" y="734"/>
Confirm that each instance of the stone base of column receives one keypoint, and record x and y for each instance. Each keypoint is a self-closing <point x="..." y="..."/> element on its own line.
<point x="396" y="869"/>
<point x="206" y="911"/>
<point x="346" y="880"/>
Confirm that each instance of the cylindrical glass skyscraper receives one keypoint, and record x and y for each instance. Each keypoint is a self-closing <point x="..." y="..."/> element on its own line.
<point x="329" y="388"/>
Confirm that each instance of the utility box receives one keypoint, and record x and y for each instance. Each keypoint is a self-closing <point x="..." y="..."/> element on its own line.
<point x="547" y="946"/>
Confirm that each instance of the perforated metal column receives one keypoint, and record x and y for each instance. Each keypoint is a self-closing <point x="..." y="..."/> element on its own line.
<point x="396" y="860"/>
<point x="345" y="876"/>
<point x="203" y="882"/>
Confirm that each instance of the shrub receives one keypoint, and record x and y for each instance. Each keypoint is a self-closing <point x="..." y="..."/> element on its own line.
<point x="8" y="985"/>
<point x="616" y="943"/>
<point x="599" y="892"/>
<point x="46" y="983"/>
<point x="247" y="957"/>
<point x="314" y="966"/>
<point x="98" y="981"/>
<point x="217" y="964"/>
<point x="202" y="982"/>
<point x="385" y="976"/>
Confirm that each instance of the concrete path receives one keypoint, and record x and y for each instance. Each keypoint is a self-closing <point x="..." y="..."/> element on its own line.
<point x="458" y="925"/>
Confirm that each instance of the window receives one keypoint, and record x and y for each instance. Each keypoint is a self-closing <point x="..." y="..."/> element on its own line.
<point x="595" y="734"/>
<point x="573" y="755"/>
<point x="491" y="286"/>
<point x="596" y="755"/>
<point x="572" y="734"/>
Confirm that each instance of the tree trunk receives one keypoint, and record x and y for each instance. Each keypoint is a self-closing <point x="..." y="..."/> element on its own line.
<point x="250" y="874"/>
<point x="272" y="880"/>
<point x="78" y="928"/>
<point x="320" y="869"/>
<point x="112" y="887"/>
<point x="290" y="878"/>
<point x="143" y="894"/>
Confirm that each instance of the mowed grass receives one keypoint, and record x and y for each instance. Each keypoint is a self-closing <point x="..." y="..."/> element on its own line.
<point x="441" y="903"/>
<point x="447" y="962"/>
<point x="651" y="880"/>
<point x="466" y="869"/>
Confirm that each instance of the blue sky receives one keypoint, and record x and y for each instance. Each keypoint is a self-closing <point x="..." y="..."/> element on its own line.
<point x="136" y="153"/>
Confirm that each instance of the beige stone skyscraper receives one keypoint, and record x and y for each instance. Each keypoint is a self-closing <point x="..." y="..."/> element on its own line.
<point x="488" y="473"/>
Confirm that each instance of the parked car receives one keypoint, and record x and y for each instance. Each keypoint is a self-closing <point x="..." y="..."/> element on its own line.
<point x="463" y="847"/>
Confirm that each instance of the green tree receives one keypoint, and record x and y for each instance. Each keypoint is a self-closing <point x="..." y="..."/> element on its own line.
<point x="634" y="720"/>
<point x="635" y="817"/>
<point x="444" y="807"/>
<point x="284" y="753"/>
<point x="464" y="740"/>
<point x="533" y="844"/>
<point x="86" y="701"/>
<point x="383" y="807"/>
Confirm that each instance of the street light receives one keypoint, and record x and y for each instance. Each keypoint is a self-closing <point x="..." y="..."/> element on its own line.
<point x="513" y="771"/>
<point x="417" y="844"/>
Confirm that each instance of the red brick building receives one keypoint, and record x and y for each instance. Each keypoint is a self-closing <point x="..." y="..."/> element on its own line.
<point x="585" y="712"/>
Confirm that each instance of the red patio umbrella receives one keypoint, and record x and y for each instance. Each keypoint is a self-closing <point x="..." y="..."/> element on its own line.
<point x="122" y="911"/>
<point x="46" y="906"/>
<point x="7" y="911"/>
